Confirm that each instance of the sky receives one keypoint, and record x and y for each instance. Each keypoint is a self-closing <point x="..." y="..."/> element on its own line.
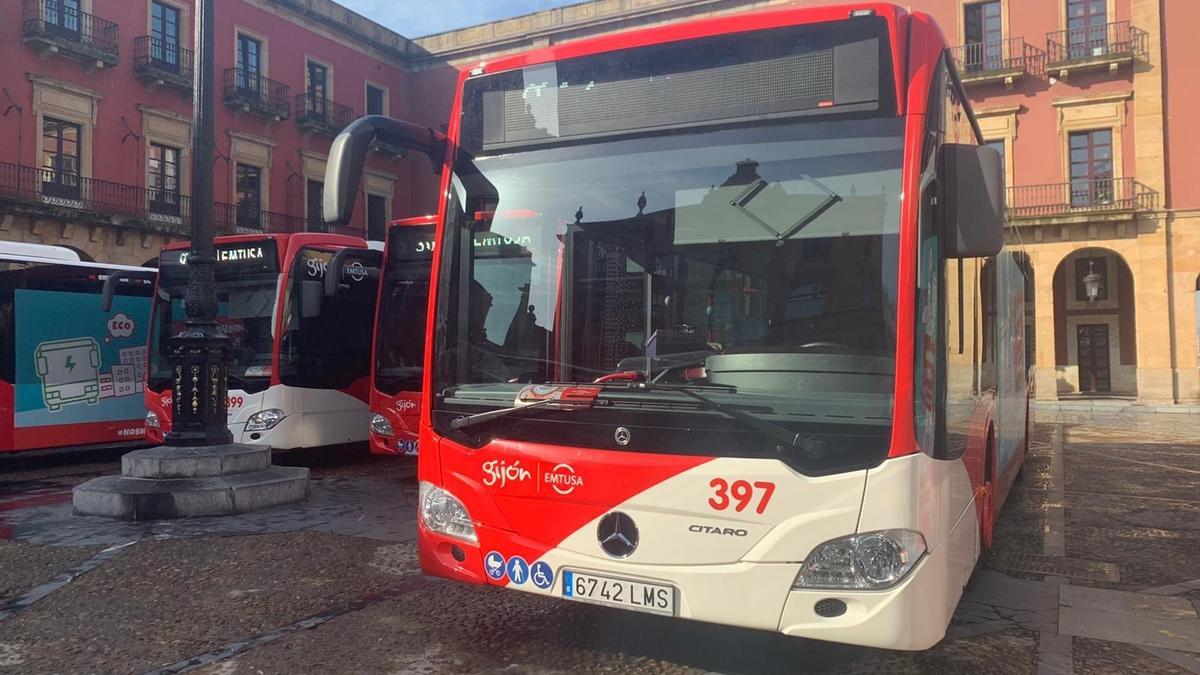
<point x="413" y="18"/>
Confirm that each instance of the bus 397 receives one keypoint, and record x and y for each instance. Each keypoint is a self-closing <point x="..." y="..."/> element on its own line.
<point x="722" y="326"/>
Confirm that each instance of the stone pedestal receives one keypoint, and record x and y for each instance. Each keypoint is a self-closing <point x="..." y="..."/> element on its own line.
<point x="169" y="482"/>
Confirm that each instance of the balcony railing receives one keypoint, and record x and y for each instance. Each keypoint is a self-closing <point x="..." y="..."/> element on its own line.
<point x="1087" y="196"/>
<point x="57" y="27"/>
<point x="161" y="61"/>
<point x="64" y="190"/>
<point x="318" y="113"/>
<point x="999" y="60"/>
<point x="239" y="219"/>
<point x="250" y="91"/>
<point x="1096" y="46"/>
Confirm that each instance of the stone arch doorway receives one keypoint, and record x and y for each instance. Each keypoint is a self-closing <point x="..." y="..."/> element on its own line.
<point x="1197" y="297"/>
<point x="1095" y="350"/>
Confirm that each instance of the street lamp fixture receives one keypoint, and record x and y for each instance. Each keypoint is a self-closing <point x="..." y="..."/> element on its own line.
<point x="1093" y="283"/>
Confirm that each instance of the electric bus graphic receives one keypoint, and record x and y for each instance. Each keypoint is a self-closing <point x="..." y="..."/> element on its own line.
<point x="72" y="349"/>
<point x="70" y="372"/>
<point x="722" y="325"/>
<point x="300" y="359"/>
<point x="398" y="367"/>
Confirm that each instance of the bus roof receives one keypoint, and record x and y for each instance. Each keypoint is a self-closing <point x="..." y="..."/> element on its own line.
<point x="738" y="22"/>
<point x="280" y="238"/>
<point x="46" y="253"/>
<point x="17" y="249"/>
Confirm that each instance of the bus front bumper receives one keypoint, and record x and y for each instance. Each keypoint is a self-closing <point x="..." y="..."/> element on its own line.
<point x="913" y="615"/>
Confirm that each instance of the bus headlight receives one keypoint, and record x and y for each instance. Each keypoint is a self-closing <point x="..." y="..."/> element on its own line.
<point x="151" y="419"/>
<point x="868" y="561"/>
<point x="264" y="420"/>
<point x="381" y="426"/>
<point x="443" y="513"/>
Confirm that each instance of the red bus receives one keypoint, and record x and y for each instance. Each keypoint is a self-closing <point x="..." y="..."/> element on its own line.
<point x="723" y="325"/>
<point x="298" y="376"/>
<point x="398" y="367"/>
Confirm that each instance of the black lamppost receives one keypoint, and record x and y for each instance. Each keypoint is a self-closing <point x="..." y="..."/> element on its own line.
<point x="198" y="355"/>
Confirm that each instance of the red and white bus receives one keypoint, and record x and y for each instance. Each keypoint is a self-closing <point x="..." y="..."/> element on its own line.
<point x="72" y="349"/>
<point x="722" y="325"/>
<point x="397" y="371"/>
<point x="300" y="361"/>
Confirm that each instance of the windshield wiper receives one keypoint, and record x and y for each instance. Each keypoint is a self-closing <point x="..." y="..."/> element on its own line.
<point x="754" y="189"/>
<point x="480" y="418"/>
<point x="813" y="447"/>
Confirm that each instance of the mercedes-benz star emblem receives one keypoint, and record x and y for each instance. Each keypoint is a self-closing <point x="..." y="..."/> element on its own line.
<point x="617" y="534"/>
<point x="623" y="435"/>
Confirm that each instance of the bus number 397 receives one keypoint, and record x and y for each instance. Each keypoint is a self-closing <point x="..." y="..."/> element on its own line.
<point x="740" y="494"/>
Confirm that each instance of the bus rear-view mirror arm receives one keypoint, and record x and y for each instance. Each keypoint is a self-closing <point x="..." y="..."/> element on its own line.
<point x="338" y="271"/>
<point x="972" y="201"/>
<point x="348" y="154"/>
<point x="110" y="287"/>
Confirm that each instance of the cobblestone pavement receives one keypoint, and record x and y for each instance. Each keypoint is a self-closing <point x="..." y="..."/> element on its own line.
<point x="333" y="585"/>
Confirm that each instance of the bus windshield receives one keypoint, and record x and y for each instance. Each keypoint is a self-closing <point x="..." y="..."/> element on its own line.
<point x="400" y="338"/>
<point x="247" y="289"/>
<point x="761" y="259"/>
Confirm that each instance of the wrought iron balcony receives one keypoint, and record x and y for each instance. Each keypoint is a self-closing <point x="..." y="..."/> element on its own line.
<point x="1084" y="199"/>
<point x="158" y="62"/>
<point x="48" y="190"/>
<point x="55" y="27"/>
<point x="315" y="112"/>
<point x="998" y="61"/>
<point x="244" y="219"/>
<point x="249" y="91"/>
<point x="1107" y="46"/>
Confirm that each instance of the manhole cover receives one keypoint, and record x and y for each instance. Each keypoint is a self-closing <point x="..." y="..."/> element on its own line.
<point x="1030" y="563"/>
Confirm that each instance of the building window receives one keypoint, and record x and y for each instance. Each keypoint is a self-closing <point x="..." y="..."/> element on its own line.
<point x="998" y="146"/>
<point x="1091" y="167"/>
<point x="62" y="16"/>
<point x="315" y="195"/>
<point x="249" y="63"/>
<point x="983" y="37"/>
<point x="1085" y="266"/>
<point x="249" y="196"/>
<point x="318" y="89"/>
<point x="164" y="36"/>
<point x="163" y="163"/>
<point x="375" y="101"/>
<point x="377" y="217"/>
<point x="60" y="158"/>
<point x="1087" y="28"/>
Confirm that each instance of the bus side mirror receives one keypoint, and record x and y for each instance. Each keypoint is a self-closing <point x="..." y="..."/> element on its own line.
<point x="343" y="170"/>
<point x="110" y="287"/>
<point x="312" y="292"/>
<point x="972" y="201"/>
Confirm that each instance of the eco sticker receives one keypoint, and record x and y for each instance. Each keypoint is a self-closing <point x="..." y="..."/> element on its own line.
<point x="70" y="372"/>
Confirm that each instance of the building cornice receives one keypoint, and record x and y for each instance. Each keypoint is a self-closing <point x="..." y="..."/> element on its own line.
<point x="251" y="138"/>
<point x="1111" y="97"/>
<point x="160" y="112"/>
<point x="64" y="85"/>
<point x="998" y="111"/>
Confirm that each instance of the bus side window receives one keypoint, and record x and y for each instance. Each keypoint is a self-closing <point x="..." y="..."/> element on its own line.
<point x="10" y="274"/>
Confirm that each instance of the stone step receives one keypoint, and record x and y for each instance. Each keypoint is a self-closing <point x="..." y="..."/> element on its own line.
<point x="199" y="462"/>
<point x="132" y="498"/>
